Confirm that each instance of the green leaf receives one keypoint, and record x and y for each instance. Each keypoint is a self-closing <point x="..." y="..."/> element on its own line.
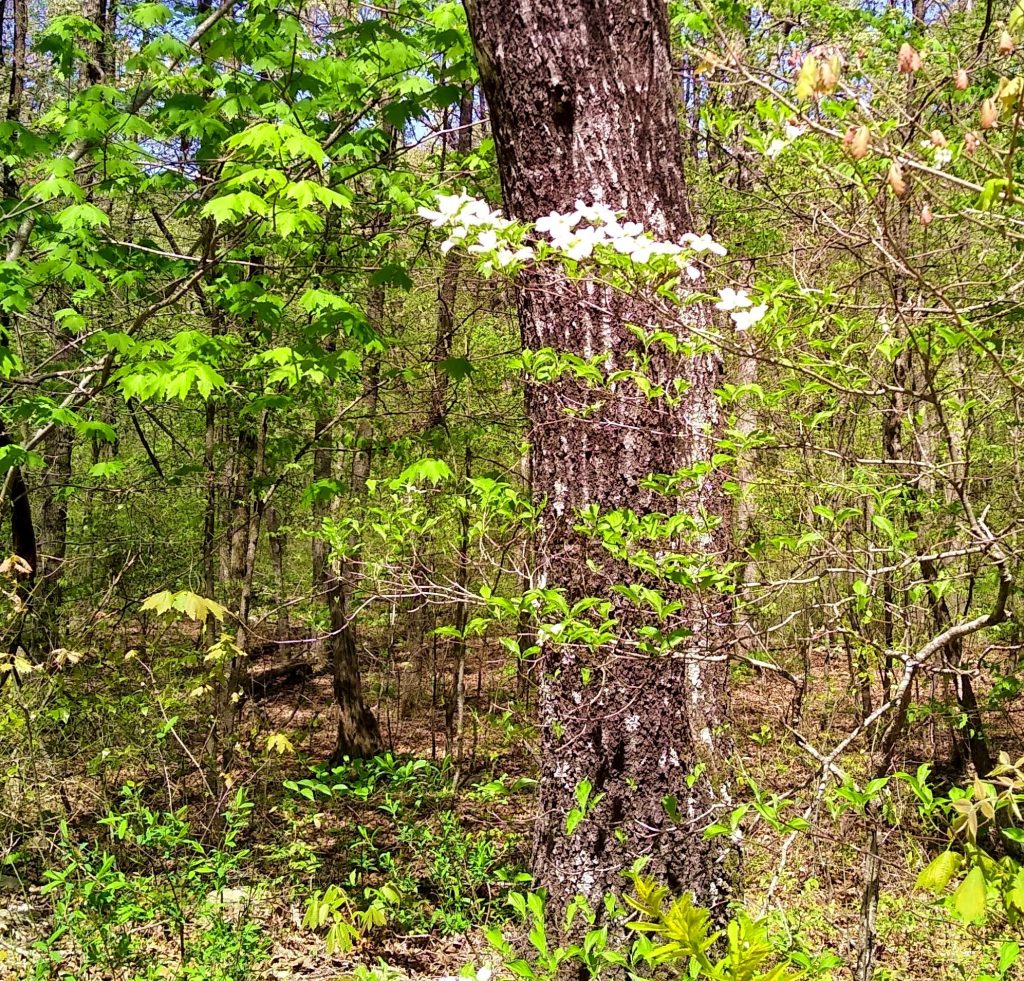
<point x="969" y="898"/>
<point x="990" y="192"/>
<point x="150" y="15"/>
<point x="807" y="80"/>
<point x="392" y="275"/>
<point x="1009" y="952"/>
<point x="95" y="429"/>
<point x="1016" y="18"/>
<point x="195" y="607"/>
<point x="583" y="789"/>
<point x="106" y="468"/>
<point x="78" y="216"/>
<point x="428" y="469"/>
<point x="936" y="875"/>
<point x="884" y="525"/>
<point x="456" y="368"/>
<point x="521" y="969"/>
<point x="14" y="456"/>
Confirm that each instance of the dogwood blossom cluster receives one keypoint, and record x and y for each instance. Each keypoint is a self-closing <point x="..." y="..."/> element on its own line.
<point x="590" y="227"/>
<point x="472" y="223"/>
<point x="587" y="230"/>
<point x="740" y="307"/>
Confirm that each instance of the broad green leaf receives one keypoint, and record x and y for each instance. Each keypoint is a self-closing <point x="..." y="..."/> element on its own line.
<point x="969" y="898"/>
<point x="150" y="15"/>
<point x="884" y="525"/>
<point x="84" y="215"/>
<point x="278" y="742"/>
<point x="195" y="607"/>
<point x="936" y="875"/>
<point x="1009" y="953"/>
<point x="456" y="368"/>
<point x="14" y="456"/>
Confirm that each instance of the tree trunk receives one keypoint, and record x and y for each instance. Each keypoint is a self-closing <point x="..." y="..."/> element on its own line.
<point x="209" y="553"/>
<point x="448" y="289"/>
<point x="23" y="545"/>
<point x="100" y="66"/>
<point x="243" y="510"/>
<point x="277" y="539"/>
<point x="323" y="470"/>
<point x="53" y="535"/>
<point x="583" y="104"/>
<point x="16" y="86"/>
<point x="358" y="731"/>
<point x="12" y="482"/>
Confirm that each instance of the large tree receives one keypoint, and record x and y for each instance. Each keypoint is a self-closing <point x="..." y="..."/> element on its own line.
<point x="583" y="104"/>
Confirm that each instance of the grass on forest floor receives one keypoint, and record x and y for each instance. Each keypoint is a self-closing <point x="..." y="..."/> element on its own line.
<point x="449" y="857"/>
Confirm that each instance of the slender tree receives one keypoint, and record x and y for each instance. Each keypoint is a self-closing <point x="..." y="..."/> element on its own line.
<point x="583" y="103"/>
<point x="448" y="288"/>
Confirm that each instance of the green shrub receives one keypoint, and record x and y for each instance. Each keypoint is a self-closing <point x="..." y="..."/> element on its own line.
<point x="154" y="903"/>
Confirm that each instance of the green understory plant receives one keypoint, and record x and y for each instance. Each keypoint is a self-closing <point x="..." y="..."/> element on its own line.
<point x="154" y="901"/>
<point x="665" y="938"/>
<point x="984" y="825"/>
<point x="346" y="915"/>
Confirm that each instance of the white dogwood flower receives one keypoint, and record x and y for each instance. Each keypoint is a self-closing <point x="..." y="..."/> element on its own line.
<point x="596" y="212"/>
<point x="486" y="241"/>
<point x="506" y="257"/>
<point x="474" y="226"/>
<point x="556" y="225"/>
<point x="702" y="243"/>
<point x="730" y="299"/>
<point x="745" y="319"/>
<point x="461" y="209"/>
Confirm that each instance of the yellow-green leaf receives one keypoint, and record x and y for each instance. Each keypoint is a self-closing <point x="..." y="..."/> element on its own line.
<point x="195" y="607"/>
<point x="936" y="874"/>
<point x="969" y="898"/>
<point x="1016" y="18"/>
<point x="278" y="742"/>
<point x="807" y="80"/>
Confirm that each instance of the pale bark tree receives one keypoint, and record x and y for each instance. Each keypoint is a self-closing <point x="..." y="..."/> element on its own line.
<point x="584" y="103"/>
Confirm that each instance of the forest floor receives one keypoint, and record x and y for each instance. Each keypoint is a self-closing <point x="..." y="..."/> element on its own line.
<point x="452" y="855"/>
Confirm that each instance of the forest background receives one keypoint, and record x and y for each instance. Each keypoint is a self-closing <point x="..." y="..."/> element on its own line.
<point x="473" y="473"/>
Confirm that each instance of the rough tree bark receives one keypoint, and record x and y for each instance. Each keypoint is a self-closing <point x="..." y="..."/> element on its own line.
<point x="583" y="104"/>
<point x="100" y="64"/>
<point x="16" y="86"/>
<point x="23" y="537"/>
